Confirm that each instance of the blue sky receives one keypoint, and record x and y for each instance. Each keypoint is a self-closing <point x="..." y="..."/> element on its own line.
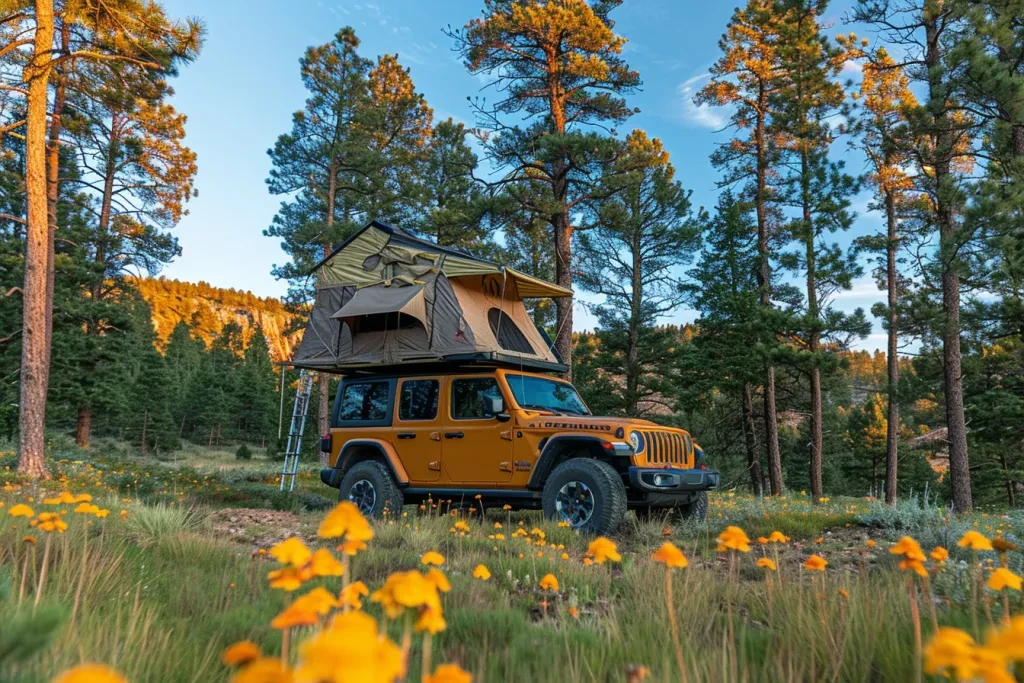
<point x="240" y="94"/>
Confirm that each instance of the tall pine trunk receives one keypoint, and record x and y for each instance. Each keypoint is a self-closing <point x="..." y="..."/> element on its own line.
<point x="945" y="218"/>
<point x="764" y="283"/>
<point x="750" y="439"/>
<point x="813" y="338"/>
<point x="52" y="193"/>
<point x="323" y="417"/>
<point x="892" y="360"/>
<point x="83" y="425"/>
<point x="34" y="350"/>
<point x="563" y="277"/>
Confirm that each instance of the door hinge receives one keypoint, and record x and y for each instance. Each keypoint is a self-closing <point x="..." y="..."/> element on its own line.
<point x="434" y="466"/>
<point x="505" y="467"/>
<point x="507" y="435"/>
<point x="435" y="436"/>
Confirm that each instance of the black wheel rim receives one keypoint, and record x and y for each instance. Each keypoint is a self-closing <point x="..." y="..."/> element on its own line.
<point x="363" y="495"/>
<point x="575" y="503"/>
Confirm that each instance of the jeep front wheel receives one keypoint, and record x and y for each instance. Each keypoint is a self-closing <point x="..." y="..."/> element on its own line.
<point x="371" y="487"/>
<point x="588" y="494"/>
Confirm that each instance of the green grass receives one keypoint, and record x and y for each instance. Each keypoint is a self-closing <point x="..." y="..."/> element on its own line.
<point x="163" y="592"/>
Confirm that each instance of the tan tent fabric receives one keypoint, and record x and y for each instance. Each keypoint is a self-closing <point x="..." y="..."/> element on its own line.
<point x="533" y="288"/>
<point x="450" y="306"/>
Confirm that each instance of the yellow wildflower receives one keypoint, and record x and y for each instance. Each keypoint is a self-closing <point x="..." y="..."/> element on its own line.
<point x="766" y="563"/>
<point x="448" y="673"/>
<point x="351" y="593"/>
<point x="733" y="538"/>
<point x="670" y="556"/>
<point x="90" y="673"/>
<point x="21" y="510"/>
<point x="549" y="582"/>
<point x="325" y="564"/>
<point x="433" y="557"/>
<point x="292" y="552"/>
<point x="481" y="572"/>
<point x="975" y="541"/>
<point x="602" y="549"/>
<point x="1003" y="578"/>
<point x="264" y="670"/>
<point x="939" y="554"/>
<point x="815" y="563"/>
<point x="241" y="652"/>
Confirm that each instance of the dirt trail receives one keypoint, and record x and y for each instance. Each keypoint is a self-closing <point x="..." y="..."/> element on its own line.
<point x="258" y="528"/>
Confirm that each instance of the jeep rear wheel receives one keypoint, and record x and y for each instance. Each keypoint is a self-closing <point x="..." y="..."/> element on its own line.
<point x="587" y="493"/>
<point x="371" y="487"/>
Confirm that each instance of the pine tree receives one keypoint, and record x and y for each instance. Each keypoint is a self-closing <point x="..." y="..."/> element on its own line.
<point x="98" y="35"/>
<point x="396" y="124"/>
<point x="726" y="291"/>
<point x="924" y="31"/>
<point x="257" y="392"/>
<point x="452" y="197"/>
<point x="746" y="78"/>
<point x="324" y="164"/>
<point x="641" y="237"/>
<point x="558" y="63"/>
<point x="817" y="191"/>
<point x="184" y="358"/>
<point x="880" y="130"/>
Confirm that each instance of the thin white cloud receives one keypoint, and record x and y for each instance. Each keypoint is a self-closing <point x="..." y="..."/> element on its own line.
<point x="851" y="69"/>
<point x="863" y="288"/>
<point x="701" y="116"/>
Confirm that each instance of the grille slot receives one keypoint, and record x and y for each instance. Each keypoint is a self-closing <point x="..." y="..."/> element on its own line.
<point x="666" y="448"/>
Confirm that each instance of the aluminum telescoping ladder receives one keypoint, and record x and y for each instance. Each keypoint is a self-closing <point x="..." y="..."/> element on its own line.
<point x="295" y="432"/>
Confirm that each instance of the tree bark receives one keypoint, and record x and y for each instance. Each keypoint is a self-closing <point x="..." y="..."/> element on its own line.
<point x="945" y="219"/>
<point x="53" y="192"/>
<point x="563" y="277"/>
<point x="34" y="359"/>
<point x="633" y="342"/>
<point x="83" y="427"/>
<point x="814" y="334"/>
<point x="750" y="437"/>
<point x="764" y="283"/>
<point x="892" y="359"/>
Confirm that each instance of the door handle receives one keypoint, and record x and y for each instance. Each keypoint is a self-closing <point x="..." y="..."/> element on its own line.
<point x="406" y="435"/>
<point x="453" y="435"/>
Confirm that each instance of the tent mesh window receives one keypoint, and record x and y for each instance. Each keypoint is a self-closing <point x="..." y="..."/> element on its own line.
<point x="382" y="322"/>
<point x="509" y="337"/>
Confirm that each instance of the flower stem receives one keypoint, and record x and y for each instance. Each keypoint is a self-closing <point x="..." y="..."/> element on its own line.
<point x="915" y="616"/>
<point x="42" y="572"/>
<point x="425" y="662"/>
<point x="677" y="644"/>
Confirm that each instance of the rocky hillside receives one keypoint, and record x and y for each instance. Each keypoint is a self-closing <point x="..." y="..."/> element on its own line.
<point x="207" y="309"/>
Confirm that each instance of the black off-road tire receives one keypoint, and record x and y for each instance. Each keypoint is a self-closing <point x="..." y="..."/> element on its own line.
<point x="697" y="510"/>
<point x="387" y="495"/>
<point x="605" y="484"/>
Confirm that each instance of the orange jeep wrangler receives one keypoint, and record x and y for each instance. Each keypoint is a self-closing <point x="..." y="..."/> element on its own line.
<point x="512" y="437"/>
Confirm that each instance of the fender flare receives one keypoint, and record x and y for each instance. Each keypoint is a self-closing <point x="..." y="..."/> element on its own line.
<point x="546" y="460"/>
<point x="387" y="454"/>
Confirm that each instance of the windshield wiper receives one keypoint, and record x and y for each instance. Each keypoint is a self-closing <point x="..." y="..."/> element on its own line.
<point x="537" y="406"/>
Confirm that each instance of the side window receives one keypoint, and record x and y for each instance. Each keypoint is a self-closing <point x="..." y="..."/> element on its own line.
<point x="418" y="400"/>
<point x="364" y="401"/>
<point x="470" y="397"/>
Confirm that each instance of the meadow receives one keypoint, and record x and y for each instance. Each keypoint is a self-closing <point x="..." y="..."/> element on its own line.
<point x="180" y="570"/>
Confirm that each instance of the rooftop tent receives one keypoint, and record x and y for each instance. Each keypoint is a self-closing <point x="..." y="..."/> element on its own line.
<point x="386" y="297"/>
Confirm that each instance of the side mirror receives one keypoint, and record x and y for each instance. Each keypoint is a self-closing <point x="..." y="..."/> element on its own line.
<point x="495" y="405"/>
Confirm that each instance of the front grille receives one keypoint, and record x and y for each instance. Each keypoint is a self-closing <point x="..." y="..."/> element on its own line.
<point x="667" y="448"/>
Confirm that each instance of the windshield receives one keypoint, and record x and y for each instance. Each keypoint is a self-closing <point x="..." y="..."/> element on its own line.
<point x="539" y="393"/>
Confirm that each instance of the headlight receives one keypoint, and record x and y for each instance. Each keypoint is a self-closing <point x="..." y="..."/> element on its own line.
<point x="636" y="440"/>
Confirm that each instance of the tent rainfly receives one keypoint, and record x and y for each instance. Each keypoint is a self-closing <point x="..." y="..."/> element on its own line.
<point x="385" y="297"/>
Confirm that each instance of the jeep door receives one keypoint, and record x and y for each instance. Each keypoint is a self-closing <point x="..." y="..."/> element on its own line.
<point x="477" y="447"/>
<point x="417" y="427"/>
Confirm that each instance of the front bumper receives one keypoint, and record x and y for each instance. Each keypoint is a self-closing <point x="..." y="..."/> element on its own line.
<point x="671" y="480"/>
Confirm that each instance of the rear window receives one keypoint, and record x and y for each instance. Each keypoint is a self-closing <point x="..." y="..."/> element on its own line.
<point x="364" y="401"/>
<point x="418" y="400"/>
